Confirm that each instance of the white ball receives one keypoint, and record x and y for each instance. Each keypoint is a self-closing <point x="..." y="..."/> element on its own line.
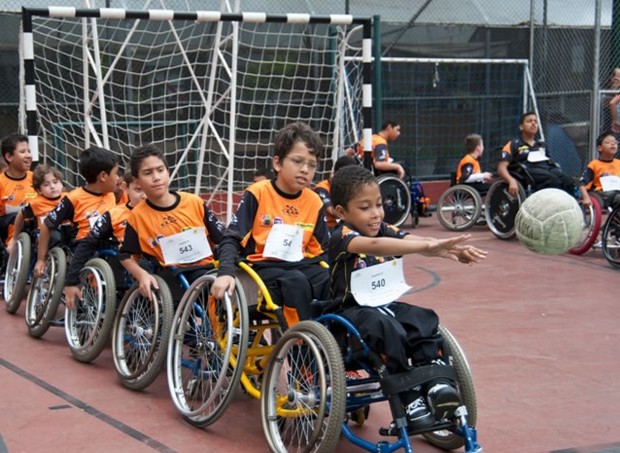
<point x="549" y="222"/>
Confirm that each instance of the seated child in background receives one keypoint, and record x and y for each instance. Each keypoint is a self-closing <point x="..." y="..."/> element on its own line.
<point x="322" y="188"/>
<point x="15" y="182"/>
<point x="83" y="205"/>
<point x="404" y="335"/>
<point x="167" y="228"/>
<point x="261" y="174"/>
<point x="469" y="171"/>
<point x="47" y="181"/>
<point x="280" y="228"/>
<point x="605" y="165"/>
<point x="107" y="232"/>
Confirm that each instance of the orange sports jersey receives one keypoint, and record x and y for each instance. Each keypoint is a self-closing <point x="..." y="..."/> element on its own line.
<point x="39" y="208"/>
<point x="468" y="159"/>
<point x="273" y="208"/>
<point x="80" y="207"/>
<point x="591" y="177"/>
<point x="379" y="148"/>
<point x="148" y="224"/>
<point x="15" y="193"/>
<point x="118" y="220"/>
<point x="123" y="199"/>
<point x="322" y="188"/>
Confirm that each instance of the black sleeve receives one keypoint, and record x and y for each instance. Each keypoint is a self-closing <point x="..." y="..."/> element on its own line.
<point x="466" y="172"/>
<point x="130" y="245"/>
<point x="63" y="211"/>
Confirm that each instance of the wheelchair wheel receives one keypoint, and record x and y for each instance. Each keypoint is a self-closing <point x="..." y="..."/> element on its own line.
<point x="303" y="397"/>
<point x="611" y="238"/>
<point x="206" y="352"/>
<point x="459" y="207"/>
<point x="45" y="293"/>
<point x="501" y="209"/>
<point x="453" y="354"/>
<point x="396" y="199"/>
<point x="592" y="226"/>
<point x="88" y="327"/>
<point x="16" y="275"/>
<point x="140" y="335"/>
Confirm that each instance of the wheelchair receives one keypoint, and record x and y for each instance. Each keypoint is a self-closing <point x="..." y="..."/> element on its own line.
<point x="18" y="269"/>
<point x="460" y="206"/>
<point x="592" y="216"/>
<point x="610" y="238"/>
<point x="297" y="373"/>
<point x="401" y="198"/>
<point x="103" y="282"/>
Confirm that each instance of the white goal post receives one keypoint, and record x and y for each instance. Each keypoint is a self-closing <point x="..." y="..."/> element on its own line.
<point x="208" y="88"/>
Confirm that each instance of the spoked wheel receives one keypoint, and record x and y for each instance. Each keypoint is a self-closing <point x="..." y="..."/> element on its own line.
<point x="88" y="326"/>
<point x="459" y="207"/>
<point x="207" y="352"/>
<point x="140" y="335"/>
<point x="501" y="209"/>
<point x="396" y="199"/>
<point x="611" y="238"/>
<point x="45" y="293"/>
<point x="454" y="355"/>
<point x="303" y="396"/>
<point x="591" y="226"/>
<point x="16" y="275"/>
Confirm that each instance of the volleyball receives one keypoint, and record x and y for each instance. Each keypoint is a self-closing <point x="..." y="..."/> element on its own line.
<point x="549" y="222"/>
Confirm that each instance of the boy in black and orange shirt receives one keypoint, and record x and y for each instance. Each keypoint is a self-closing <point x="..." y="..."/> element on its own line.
<point x="83" y="205"/>
<point x="168" y="228"/>
<point x="468" y="170"/>
<point x="280" y="228"/>
<point x="605" y="165"/>
<point x="107" y="232"/>
<point x="15" y="182"/>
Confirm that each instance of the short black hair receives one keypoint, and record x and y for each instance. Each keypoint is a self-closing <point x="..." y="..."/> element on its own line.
<point x="264" y="171"/>
<point x="9" y="143"/>
<point x="389" y="123"/>
<point x="347" y="182"/>
<point x="297" y="132"/>
<point x="142" y="153"/>
<point x="525" y="115"/>
<point x="343" y="161"/>
<point x="603" y="136"/>
<point x="95" y="160"/>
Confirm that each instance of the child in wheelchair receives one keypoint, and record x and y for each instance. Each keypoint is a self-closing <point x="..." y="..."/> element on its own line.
<point x="602" y="175"/>
<point x="468" y="170"/>
<point x="82" y="206"/>
<point x="107" y="233"/>
<point x="168" y="229"/>
<point x="366" y="279"/>
<point x="280" y="229"/>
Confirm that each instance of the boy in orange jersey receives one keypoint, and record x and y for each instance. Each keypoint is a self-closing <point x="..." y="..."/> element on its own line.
<point x="15" y="182"/>
<point x="107" y="232"/>
<point x="47" y="181"/>
<point x="468" y="171"/>
<point x="168" y="228"/>
<point x="381" y="160"/>
<point x="280" y="228"/>
<point x="322" y="188"/>
<point x="605" y="166"/>
<point x="83" y="205"/>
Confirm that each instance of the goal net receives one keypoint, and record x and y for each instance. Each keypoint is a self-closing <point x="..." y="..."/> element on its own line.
<point x="210" y="89"/>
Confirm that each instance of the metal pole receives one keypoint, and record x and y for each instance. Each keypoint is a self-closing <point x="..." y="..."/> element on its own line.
<point x="596" y="63"/>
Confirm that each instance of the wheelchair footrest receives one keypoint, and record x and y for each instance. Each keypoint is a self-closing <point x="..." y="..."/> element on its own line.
<point x="393" y="430"/>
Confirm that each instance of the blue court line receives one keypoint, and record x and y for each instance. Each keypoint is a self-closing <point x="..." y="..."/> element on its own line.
<point x="117" y="424"/>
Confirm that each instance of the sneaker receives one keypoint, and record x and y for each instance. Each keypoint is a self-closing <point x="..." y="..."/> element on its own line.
<point x="418" y="414"/>
<point x="443" y="399"/>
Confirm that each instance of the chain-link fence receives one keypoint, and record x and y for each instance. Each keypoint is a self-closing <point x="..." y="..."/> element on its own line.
<point x="572" y="47"/>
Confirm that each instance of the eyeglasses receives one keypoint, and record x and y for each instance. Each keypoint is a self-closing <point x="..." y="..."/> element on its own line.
<point x="299" y="163"/>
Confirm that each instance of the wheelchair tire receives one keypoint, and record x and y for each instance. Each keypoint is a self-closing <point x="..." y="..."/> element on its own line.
<point x="303" y="398"/>
<point x="459" y="207"/>
<point x="140" y="335"/>
<point x="45" y="294"/>
<point x="592" y="226"/>
<point x="88" y="326"/>
<point x="16" y="274"/>
<point x="501" y="209"/>
<point x="611" y="238"/>
<point x="453" y="354"/>
<point x="396" y="197"/>
<point x="206" y="353"/>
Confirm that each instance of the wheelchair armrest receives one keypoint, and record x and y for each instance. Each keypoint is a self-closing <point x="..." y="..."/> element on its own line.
<point x="320" y="307"/>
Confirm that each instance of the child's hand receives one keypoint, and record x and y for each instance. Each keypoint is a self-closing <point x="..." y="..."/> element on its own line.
<point x="10" y="246"/>
<point x="449" y="248"/>
<point x="71" y="294"/>
<point x="39" y="268"/>
<point x="147" y="284"/>
<point x="469" y="254"/>
<point x="222" y="285"/>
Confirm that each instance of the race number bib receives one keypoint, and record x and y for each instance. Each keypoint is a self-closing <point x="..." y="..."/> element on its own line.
<point x="537" y="156"/>
<point x="285" y="243"/>
<point x="379" y="285"/>
<point x="186" y="247"/>
<point x="610" y="183"/>
<point x="10" y="209"/>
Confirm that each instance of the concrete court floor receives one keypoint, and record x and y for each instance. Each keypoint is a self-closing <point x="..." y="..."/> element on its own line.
<point x="540" y="332"/>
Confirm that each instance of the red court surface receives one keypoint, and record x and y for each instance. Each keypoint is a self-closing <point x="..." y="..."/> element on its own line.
<point x="541" y="335"/>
